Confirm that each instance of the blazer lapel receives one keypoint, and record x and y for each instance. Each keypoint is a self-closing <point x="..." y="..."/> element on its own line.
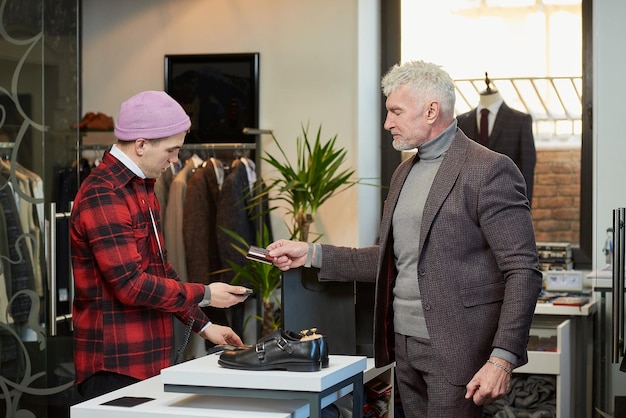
<point x="500" y="122"/>
<point x="395" y="187"/>
<point x="443" y="183"/>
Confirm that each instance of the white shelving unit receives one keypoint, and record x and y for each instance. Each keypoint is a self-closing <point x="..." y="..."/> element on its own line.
<point x="386" y="374"/>
<point x="553" y="363"/>
<point x="571" y="363"/>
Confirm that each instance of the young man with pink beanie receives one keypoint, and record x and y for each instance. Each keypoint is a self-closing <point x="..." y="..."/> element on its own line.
<point x="126" y="291"/>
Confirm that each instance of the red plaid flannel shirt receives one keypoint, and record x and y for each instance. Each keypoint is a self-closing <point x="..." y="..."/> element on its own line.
<point x="125" y="294"/>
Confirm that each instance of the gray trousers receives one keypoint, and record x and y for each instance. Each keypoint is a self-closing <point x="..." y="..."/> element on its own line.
<point x="424" y="390"/>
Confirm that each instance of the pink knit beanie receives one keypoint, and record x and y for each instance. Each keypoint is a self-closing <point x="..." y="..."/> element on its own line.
<point x="150" y="115"/>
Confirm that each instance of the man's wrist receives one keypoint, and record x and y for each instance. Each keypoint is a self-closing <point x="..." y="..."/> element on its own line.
<point x="314" y="256"/>
<point x="501" y="366"/>
<point x="309" y="256"/>
<point x="206" y="301"/>
<point x="504" y="355"/>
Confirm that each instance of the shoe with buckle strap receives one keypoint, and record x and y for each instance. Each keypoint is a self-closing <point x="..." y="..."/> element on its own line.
<point x="275" y="352"/>
<point x="310" y="333"/>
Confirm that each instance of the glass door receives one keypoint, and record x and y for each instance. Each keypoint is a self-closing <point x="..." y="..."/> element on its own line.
<point x="39" y="62"/>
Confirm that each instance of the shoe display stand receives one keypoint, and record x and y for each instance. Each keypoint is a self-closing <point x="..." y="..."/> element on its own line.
<point x="161" y="404"/>
<point x="295" y="394"/>
<point x="204" y="376"/>
<point x="202" y="388"/>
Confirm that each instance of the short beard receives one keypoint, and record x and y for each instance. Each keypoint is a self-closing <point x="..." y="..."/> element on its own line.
<point x="402" y="145"/>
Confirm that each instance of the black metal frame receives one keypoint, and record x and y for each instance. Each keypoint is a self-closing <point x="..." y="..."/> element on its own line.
<point x="220" y="92"/>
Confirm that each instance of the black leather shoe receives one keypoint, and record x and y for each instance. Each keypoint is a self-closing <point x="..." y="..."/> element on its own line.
<point x="294" y="336"/>
<point x="312" y="333"/>
<point x="324" y="352"/>
<point x="277" y="353"/>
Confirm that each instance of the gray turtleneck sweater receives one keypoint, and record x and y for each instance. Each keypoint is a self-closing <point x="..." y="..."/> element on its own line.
<point x="407" y="219"/>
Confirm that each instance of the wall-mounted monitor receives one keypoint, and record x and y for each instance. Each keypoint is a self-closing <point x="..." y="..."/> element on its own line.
<point x="219" y="92"/>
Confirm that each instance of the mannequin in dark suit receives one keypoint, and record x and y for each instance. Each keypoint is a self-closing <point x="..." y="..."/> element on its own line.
<point x="511" y="133"/>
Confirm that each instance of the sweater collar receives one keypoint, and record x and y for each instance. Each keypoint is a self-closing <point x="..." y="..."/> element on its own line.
<point x="437" y="146"/>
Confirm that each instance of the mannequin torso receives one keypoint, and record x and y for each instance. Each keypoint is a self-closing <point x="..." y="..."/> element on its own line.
<point x="488" y="98"/>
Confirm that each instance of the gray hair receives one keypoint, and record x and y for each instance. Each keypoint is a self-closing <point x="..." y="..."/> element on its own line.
<point x="427" y="81"/>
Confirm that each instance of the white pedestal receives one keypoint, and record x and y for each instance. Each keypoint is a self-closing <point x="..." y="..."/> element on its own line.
<point x="205" y="372"/>
<point x="205" y="376"/>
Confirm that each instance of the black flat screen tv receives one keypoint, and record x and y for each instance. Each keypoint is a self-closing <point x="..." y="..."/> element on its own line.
<point x="219" y="92"/>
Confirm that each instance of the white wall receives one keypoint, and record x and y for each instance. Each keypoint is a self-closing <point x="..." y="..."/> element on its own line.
<point x="318" y="64"/>
<point x="609" y="134"/>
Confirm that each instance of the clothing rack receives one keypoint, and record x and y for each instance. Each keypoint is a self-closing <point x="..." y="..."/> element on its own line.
<point x="211" y="146"/>
<point x="200" y="146"/>
<point x="220" y="146"/>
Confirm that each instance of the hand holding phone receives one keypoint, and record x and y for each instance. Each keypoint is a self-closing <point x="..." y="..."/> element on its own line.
<point x="247" y="292"/>
<point x="259" y="254"/>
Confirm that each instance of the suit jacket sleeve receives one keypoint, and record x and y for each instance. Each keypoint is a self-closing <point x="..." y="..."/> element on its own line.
<point x="344" y="264"/>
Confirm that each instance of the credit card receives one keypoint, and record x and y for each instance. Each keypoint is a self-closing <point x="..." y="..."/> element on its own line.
<point x="259" y="254"/>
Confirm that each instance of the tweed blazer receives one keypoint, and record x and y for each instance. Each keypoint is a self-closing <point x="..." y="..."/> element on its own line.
<point x="478" y="268"/>
<point x="512" y="135"/>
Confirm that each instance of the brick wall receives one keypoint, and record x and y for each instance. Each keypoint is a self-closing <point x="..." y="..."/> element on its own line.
<point x="556" y="197"/>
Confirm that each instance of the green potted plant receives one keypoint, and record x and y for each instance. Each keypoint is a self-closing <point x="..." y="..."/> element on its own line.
<point x="301" y="188"/>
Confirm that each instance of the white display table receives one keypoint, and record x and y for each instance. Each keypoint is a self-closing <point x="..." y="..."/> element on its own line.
<point x="178" y="405"/>
<point x="202" y="388"/>
<point x="205" y="376"/>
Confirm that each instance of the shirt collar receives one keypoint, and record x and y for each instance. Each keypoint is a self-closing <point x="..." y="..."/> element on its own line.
<point x="125" y="159"/>
<point x="493" y="109"/>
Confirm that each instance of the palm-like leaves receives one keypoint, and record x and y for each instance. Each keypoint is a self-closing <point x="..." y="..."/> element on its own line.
<point x="315" y="178"/>
<point x="301" y="189"/>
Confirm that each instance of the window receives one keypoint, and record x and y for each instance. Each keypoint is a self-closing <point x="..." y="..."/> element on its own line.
<point x="532" y="51"/>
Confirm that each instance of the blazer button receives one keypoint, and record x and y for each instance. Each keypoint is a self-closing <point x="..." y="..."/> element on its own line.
<point x="427" y="306"/>
<point x="422" y="272"/>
